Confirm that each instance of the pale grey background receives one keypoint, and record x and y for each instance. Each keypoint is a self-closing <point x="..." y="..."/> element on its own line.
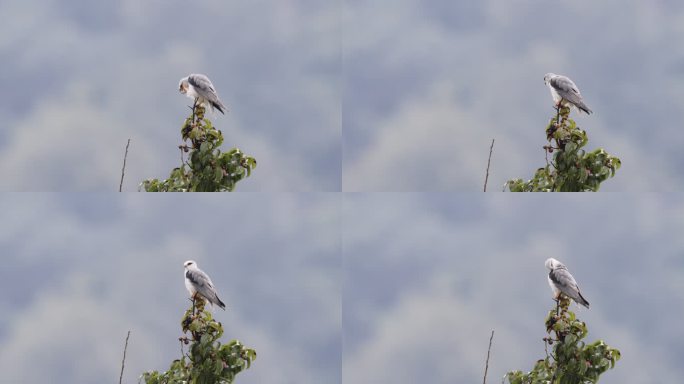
<point x="421" y="89"/>
<point x="79" y="271"/>
<point x="428" y="276"/>
<point x="411" y="284"/>
<point x="428" y="84"/>
<point x="81" y="77"/>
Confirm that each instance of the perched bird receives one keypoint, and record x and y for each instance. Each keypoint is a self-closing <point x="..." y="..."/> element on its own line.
<point x="564" y="91"/>
<point x="200" y="88"/>
<point x="199" y="284"/>
<point x="561" y="281"/>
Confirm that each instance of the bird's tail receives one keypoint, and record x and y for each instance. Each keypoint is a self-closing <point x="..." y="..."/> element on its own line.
<point x="223" y="306"/>
<point x="582" y="300"/>
<point x="583" y="107"/>
<point x="218" y="105"/>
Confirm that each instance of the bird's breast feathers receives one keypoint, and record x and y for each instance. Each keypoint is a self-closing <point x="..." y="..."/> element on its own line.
<point x="553" y="286"/>
<point x="554" y="94"/>
<point x="188" y="284"/>
<point x="191" y="93"/>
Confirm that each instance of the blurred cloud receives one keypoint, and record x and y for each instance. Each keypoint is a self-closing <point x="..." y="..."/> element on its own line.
<point x="79" y="271"/>
<point x="85" y="78"/>
<point x="429" y="84"/>
<point x="428" y="276"/>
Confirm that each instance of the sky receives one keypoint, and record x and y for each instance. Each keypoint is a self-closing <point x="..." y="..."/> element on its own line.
<point x="81" y="270"/>
<point x="359" y="251"/>
<point x="80" y="78"/>
<point x="331" y="288"/>
<point x="429" y="84"/>
<point x="400" y="95"/>
<point x="427" y="277"/>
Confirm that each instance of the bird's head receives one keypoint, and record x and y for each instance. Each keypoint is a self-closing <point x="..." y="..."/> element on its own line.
<point x="552" y="263"/>
<point x="190" y="264"/>
<point x="548" y="77"/>
<point x="183" y="85"/>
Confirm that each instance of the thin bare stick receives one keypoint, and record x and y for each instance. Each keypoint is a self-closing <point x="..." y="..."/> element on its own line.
<point x="484" y="381"/>
<point x="124" y="357"/>
<point x="123" y="169"/>
<point x="489" y="161"/>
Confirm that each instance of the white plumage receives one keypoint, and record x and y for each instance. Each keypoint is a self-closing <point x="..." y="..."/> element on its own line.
<point x="561" y="281"/>
<point x="199" y="88"/>
<point x="564" y="91"/>
<point x="198" y="283"/>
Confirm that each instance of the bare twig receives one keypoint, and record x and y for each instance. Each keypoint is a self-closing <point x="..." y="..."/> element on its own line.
<point x="123" y="169"/>
<point x="123" y="361"/>
<point x="484" y="381"/>
<point x="194" y="105"/>
<point x="491" y="147"/>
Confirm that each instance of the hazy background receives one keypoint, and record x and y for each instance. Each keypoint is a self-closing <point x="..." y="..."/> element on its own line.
<point x="79" y="271"/>
<point x="428" y="276"/>
<point x="428" y="84"/>
<point x="81" y="77"/>
<point x="410" y="284"/>
<point x="421" y="88"/>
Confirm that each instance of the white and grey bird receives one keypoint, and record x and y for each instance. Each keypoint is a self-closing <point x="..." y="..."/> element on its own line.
<point x="198" y="283"/>
<point x="199" y="88"/>
<point x="561" y="281"/>
<point x="564" y="91"/>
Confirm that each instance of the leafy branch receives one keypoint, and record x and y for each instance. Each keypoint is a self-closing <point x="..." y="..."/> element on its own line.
<point x="207" y="360"/>
<point x="207" y="168"/>
<point x="571" y="169"/>
<point x="571" y="360"/>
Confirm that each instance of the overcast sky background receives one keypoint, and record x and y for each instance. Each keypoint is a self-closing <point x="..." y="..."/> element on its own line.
<point x="410" y="284"/>
<point x="79" y="271"/>
<point x="428" y="84"/>
<point x="401" y="95"/>
<point x="428" y="276"/>
<point x="81" y="77"/>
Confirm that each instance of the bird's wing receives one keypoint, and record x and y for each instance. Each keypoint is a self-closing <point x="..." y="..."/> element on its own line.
<point x="202" y="283"/>
<point x="562" y="278"/>
<point x="205" y="89"/>
<point x="201" y="83"/>
<point x="563" y="83"/>
<point x="567" y="90"/>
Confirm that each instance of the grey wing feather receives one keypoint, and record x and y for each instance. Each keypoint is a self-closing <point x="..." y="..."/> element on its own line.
<point x="200" y="280"/>
<point x="201" y="82"/>
<point x="562" y="278"/>
<point x="205" y="88"/>
<point x="562" y="83"/>
<point x="204" y="286"/>
<point x="567" y="89"/>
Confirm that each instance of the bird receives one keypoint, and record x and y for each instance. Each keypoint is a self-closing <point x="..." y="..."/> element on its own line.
<point x="564" y="91"/>
<point x="200" y="88"/>
<point x="561" y="281"/>
<point x="198" y="283"/>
